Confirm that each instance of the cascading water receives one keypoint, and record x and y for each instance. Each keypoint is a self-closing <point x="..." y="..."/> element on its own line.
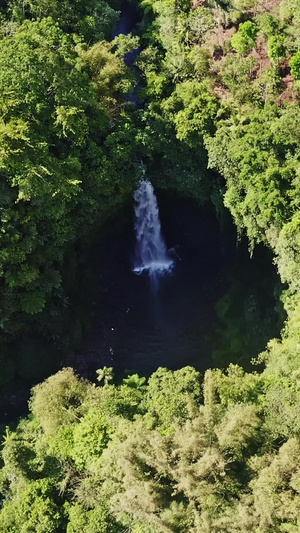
<point x="151" y="253"/>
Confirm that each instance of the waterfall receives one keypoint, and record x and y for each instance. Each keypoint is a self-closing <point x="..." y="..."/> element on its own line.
<point x="151" y="253"/>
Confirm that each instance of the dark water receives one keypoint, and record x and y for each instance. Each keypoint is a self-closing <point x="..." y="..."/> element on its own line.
<point x="218" y="306"/>
<point x="194" y="314"/>
<point x="129" y="17"/>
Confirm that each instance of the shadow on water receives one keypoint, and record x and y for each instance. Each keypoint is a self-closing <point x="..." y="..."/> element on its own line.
<point x="217" y="306"/>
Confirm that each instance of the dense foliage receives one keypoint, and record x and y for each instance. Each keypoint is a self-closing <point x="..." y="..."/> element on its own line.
<point x="219" y="92"/>
<point x="65" y="147"/>
<point x="171" y="455"/>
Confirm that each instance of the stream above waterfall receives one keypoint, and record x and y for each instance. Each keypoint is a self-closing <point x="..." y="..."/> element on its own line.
<point x="216" y="306"/>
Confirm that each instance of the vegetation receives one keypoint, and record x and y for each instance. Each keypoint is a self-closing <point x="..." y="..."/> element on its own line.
<point x="175" y="454"/>
<point x="63" y="115"/>
<point x="219" y="93"/>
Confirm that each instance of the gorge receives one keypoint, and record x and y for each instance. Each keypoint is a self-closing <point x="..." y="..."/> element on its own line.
<point x="216" y="305"/>
<point x="149" y="266"/>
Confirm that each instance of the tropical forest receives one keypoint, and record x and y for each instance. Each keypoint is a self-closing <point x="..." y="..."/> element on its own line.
<point x="150" y="266"/>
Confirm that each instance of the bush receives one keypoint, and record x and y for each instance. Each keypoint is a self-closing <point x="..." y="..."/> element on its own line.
<point x="244" y="40"/>
<point x="295" y="65"/>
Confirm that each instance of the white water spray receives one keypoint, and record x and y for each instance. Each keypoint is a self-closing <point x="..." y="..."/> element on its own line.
<point x="151" y="252"/>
